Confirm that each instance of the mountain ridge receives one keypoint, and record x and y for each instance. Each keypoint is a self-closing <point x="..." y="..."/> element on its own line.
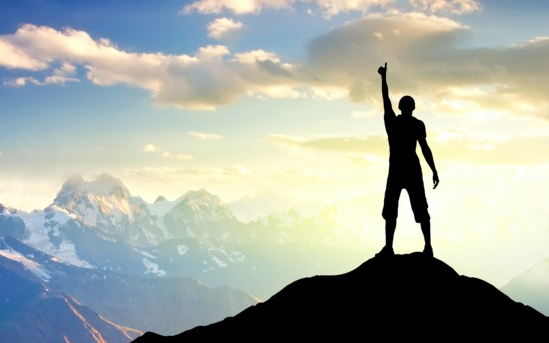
<point x="407" y="296"/>
<point x="194" y="235"/>
<point x="531" y="286"/>
<point x="26" y="273"/>
<point x="33" y="312"/>
<point x="204" y="239"/>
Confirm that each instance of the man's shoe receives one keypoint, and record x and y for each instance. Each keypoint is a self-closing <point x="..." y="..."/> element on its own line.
<point x="385" y="252"/>
<point x="428" y="251"/>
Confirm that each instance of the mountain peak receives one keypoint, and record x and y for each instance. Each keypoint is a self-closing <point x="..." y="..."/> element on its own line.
<point x="106" y="205"/>
<point x="200" y="200"/>
<point x="401" y="297"/>
<point x="106" y="185"/>
<point x="160" y="198"/>
<point x="201" y="193"/>
<point x="75" y="179"/>
<point x="7" y="210"/>
<point x="103" y="185"/>
<point x="200" y="214"/>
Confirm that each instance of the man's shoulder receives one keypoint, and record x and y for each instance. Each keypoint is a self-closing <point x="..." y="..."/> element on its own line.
<point x="416" y="119"/>
<point x="420" y="128"/>
<point x="418" y="122"/>
<point x="409" y="119"/>
<point x="389" y="113"/>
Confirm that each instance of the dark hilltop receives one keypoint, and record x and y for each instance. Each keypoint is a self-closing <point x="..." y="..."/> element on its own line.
<point x="409" y="296"/>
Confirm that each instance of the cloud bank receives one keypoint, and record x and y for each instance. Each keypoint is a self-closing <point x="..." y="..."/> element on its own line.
<point x="453" y="145"/>
<point x="331" y="8"/>
<point x="205" y="135"/>
<point x="425" y="55"/>
<point x="222" y="28"/>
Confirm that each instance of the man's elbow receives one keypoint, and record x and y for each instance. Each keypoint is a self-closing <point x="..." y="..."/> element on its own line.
<point x="425" y="149"/>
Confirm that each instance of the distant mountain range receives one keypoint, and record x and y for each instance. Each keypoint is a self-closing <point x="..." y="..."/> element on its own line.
<point x="29" y="277"/>
<point x="399" y="298"/>
<point x="34" y="312"/>
<point x="531" y="287"/>
<point x="136" y="264"/>
<point x="98" y="224"/>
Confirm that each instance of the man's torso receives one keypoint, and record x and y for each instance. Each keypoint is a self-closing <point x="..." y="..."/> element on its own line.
<point x="403" y="132"/>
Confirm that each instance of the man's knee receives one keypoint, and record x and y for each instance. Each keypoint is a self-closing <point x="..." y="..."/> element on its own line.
<point x="389" y="213"/>
<point x="422" y="216"/>
<point x="390" y="222"/>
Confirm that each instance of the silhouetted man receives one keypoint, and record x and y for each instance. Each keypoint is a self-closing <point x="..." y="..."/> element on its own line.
<point x="403" y="132"/>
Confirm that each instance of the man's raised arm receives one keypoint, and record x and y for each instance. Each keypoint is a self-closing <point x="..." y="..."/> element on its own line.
<point x="385" y="90"/>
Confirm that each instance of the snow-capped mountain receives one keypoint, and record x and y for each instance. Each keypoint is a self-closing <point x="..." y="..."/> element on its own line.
<point x="29" y="276"/>
<point x="43" y="229"/>
<point x="199" y="214"/>
<point x="99" y="225"/>
<point x="106" y="206"/>
<point x="32" y="311"/>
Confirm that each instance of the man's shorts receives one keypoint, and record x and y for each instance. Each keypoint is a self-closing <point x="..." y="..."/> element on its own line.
<point x="416" y="192"/>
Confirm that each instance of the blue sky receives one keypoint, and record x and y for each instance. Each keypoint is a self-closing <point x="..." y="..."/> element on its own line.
<point x="278" y="102"/>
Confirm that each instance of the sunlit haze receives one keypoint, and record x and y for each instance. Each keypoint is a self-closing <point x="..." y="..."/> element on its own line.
<point x="271" y="104"/>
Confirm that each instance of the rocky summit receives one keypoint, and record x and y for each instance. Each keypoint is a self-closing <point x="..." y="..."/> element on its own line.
<point x="398" y="297"/>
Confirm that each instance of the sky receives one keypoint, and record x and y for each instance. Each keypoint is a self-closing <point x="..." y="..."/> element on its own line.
<point x="277" y="103"/>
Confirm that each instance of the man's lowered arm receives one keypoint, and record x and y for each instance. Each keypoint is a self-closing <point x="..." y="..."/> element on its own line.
<point x="428" y="154"/>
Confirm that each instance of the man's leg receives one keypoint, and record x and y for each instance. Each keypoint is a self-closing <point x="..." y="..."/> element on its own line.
<point x="390" y="227"/>
<point x="390" y="213"/>
<point x="426" y="230"/>
<point x="416" y="192"/>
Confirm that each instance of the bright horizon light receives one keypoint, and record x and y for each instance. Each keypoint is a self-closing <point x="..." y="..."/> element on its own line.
<point x="272" y="104"/>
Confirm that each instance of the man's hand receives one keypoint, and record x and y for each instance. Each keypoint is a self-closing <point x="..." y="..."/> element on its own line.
<point x="435" y="180"/>
<point x="382" y="70"/>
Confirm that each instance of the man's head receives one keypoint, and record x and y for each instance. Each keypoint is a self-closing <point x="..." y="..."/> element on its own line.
<point x="407" y="105"/>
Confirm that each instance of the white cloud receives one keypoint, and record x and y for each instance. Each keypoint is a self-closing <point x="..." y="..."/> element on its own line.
<point x="221" y="28"/>
<point x="372" y="144"/>
<point x="203" y="81"/>
<point x="327" y="93"/>
<point x="422" y="51"/>
<point x="448" y="145"/>
<point x="212" y="52"/>
<point x="364" y="114"/>
<point x="484" y="102"/>
<point x="48" y="80"/>
<point x="277" y="92"/>
<point x="167" y="154"/>
<point x="106" y="65"/>
<point x="21" y="81"/>
<point x="331" y="8"/>
<point x="235" y="6"/>
<point x="205" y="135"/>
<point x="60" y="75"/>
<point x="66" y="69"/>
<point x="59" y="79"/>
<point x="149" y="148"/>
<point x="425" y="58"/>
<point x="451" y="6"/>
<point x="254" y="56"/>
<point x="12" y="56"/>
<point x="189" y="178"/>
